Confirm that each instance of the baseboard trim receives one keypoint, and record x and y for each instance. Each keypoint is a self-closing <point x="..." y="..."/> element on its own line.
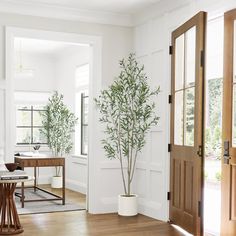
<point x="76" y="186"/>
<point x="152" y="209"/>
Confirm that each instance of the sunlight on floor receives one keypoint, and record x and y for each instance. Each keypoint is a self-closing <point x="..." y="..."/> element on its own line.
<point x="212" y="202"/>
<point x="182" y="230"/>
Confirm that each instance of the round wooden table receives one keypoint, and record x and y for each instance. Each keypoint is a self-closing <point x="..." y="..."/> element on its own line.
<point x="9" y="221"/>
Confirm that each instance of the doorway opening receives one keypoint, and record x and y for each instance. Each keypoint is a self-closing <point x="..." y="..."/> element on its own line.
<point x="213" y="127"/>
<point x="40" y="68"/>
<point x="25" y="50"/>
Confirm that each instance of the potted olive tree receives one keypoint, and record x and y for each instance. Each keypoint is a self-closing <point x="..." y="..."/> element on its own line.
<point x="58" y="124"/>
<point x="127" y="112"/>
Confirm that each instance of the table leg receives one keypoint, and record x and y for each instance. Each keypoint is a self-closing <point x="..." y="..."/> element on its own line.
<point x="9" y="222"/>
<point x="35" y="175"/>
<point x="22" y="195"/>
<point x="63" y="185"/>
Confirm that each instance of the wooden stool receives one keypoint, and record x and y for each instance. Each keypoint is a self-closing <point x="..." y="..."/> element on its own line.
<point x="9" y="219"/>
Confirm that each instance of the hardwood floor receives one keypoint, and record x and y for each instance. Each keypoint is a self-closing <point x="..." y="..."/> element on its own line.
<point x="80" y="223"/>
<point x="71" y="196"/>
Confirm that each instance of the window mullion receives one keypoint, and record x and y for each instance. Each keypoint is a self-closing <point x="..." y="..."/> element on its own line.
<point x="32" y="124"/>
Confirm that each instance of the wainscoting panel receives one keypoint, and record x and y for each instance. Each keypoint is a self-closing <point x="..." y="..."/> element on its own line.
<point x="2" y="125"/>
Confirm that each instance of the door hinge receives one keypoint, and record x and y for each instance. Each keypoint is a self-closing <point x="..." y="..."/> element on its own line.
<point x="170" y="99"/>
<point x="202" y="58"/>
<point x="199" y="209"/>
<point x="199" y="152"/>
<point x="226" y="155"/>
<point x="169" y="147"/>
<point x="168" y="196"/>
<point x="170" y="50"/>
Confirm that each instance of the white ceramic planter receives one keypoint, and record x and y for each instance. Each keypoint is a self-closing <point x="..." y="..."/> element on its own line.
<point x="56" y="182"/>
<point x="128" y="206"/>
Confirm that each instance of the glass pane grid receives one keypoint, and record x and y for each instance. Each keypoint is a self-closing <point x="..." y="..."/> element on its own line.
<point x="28" y="126"/>
<point x="185" y="47"/>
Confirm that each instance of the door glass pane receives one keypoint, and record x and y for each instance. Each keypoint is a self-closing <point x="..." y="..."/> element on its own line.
<point x="178" y="130"/>
<point x="234" y="93"/>
<point x="234" y="54"/>
<point x="189" y="117"/>
<point x="190" y="44"/>
<point x="179" y="62"/>
<point x="234" y="117"/>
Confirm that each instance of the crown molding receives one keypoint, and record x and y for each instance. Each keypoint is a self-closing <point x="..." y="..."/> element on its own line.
<point x="158" y="10"/>
<point x="25" y="7"/>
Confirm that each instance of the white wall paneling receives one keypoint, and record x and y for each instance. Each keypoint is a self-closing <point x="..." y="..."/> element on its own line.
<point x="152" y="52"/>
<point x="66" y="63"/>
<point x="77" y="176"/>
<point x="152" y="38"/>
<point x="2" y="123"/>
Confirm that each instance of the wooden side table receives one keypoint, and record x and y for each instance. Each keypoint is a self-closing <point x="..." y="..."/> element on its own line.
<point x="9" y="221"/>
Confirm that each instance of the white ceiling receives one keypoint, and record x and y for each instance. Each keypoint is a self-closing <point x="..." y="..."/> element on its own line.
<point x="113" y="6"/>
<point x="113" y="12"/>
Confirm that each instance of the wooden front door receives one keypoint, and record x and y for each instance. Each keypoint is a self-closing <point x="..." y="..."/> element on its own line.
<point x="228" y="200"/>
<point x="186" y="170"/>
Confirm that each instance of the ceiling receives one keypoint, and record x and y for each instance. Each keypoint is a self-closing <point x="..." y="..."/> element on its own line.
<point x="113" y="6"/>
<point x="113" y="12"/>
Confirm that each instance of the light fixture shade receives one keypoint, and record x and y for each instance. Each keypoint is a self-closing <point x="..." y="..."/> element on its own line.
<point x="21" y="73"/>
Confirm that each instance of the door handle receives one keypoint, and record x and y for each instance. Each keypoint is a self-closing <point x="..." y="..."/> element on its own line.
<point x="199" y="151"/>
<point x="226" y="152"/>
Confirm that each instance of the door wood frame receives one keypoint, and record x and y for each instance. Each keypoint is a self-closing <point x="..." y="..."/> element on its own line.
<point x="176" y="216"/>
<point x="228" y="225"/>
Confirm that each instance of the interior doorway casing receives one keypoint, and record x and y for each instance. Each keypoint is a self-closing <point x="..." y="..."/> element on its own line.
<point x="95" y="62"/>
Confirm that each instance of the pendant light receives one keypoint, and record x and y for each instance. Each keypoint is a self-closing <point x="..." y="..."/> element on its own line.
<point x="21" y="71"/>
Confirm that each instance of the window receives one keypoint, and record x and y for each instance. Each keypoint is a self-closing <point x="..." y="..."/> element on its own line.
<point x="82" y="76"/>
<point x="28" y="124"/>
<point x="84" y="124"/>
<point x="81" y="109"/>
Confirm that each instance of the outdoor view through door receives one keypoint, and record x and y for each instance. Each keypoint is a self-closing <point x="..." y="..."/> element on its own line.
<point x="228" y="200"/>
<point x="186" y="170"/>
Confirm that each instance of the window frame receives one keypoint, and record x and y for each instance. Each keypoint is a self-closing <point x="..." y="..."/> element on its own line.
<point x="83" y="124"/>
<point x="31" y="126"/>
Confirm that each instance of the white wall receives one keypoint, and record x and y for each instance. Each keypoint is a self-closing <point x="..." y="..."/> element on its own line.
<point x="117" y="42"/>
<point x="152" y="39"/>
<point x="2" y="124"/>
<point x="44" y="80"/>
<point x="66" y="63"/>
<point x="44" y="72"/>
